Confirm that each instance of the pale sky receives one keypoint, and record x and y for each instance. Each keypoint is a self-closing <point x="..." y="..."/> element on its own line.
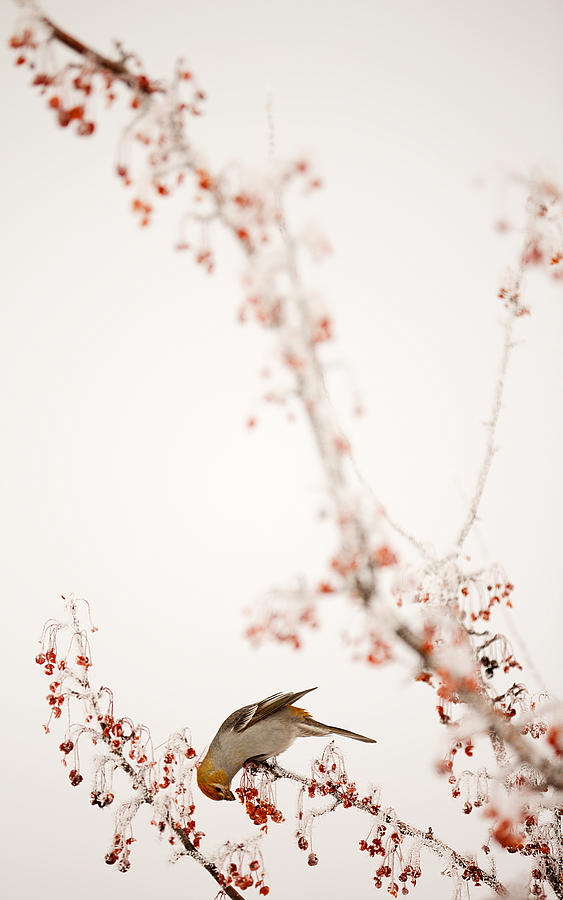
<point x="129" y="475"/>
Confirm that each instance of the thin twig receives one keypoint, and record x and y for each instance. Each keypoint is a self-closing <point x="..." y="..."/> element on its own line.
<point x="491" y="427"/>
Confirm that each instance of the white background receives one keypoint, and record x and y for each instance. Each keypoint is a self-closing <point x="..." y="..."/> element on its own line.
<point x="128" y="474"/>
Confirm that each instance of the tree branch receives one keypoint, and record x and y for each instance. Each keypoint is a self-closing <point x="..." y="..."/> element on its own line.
<point x="117" y="68"/>
<point x="209" y="866"/>
<point x="425" y="837"/>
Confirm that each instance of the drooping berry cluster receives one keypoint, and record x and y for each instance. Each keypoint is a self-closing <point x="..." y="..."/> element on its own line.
<point x="329" y="777"/>
<point x="385" y="841"/>
<point x="257" y="792"/>
<point x="242" y="865"/>
<point x="283" y="617"/>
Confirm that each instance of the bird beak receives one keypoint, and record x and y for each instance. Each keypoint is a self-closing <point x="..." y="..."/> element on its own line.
<point x="229" y="795"/>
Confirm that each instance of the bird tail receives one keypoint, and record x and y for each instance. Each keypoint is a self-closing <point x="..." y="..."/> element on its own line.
<point x="319" y="728"/>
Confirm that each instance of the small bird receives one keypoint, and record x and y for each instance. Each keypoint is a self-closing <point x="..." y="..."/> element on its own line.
<point x="255" y="733"/>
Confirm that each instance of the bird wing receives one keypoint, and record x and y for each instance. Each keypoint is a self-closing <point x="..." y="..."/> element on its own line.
<point x="249" y="715"/>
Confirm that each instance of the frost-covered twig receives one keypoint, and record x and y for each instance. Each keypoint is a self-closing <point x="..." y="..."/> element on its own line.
<point x="344" y="794"/>
<point x="491" y="428"/>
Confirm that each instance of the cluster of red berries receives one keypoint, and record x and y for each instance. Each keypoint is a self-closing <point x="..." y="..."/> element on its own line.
<point x="378" y="652"/>
<point x="473" y="873"/>
<point x="555" y="739"/>
<point x="120" y="852"/>
<point x="510" y="836"/>
<point x="470" y="784"/>
<point x="303" y="844"/>
<point x="374" y="847"/>
<point x="537" y="884"/>
<point x="511" y="300"/>
<point x="322" y="330"/>
<point x="61" y="83"/>
<point x="101" y="799"/>
<point x="48" y="659"/>
<point x="244" y="880"/>
<point x="393" y="859"/>
<point x="264" y="309"/>
<point x="329" y="776"/>
<point x="535" y="729"/>
<point x="187" y="824"/>
<point x="477" y="601"/>
<point x="246" y="872"/>
<point x="55" y="699"/>
<point x="283" y="622"/>
<point x="139" y="746"/>
<point x="445" y="766"/>
<point x="259" y="802"/>
<point x="328" y="782"/>
<point x="75" y="777"/>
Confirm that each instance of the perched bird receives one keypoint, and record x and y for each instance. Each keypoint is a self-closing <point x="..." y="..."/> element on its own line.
<point x="255" y="733"/>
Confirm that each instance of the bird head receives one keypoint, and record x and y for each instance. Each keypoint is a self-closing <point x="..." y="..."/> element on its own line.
<point x="213" y="782"/>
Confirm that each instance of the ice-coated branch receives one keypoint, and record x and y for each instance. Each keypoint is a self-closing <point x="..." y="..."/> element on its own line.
<point x="117" y="67"/>
<point x="491" y="428"/>
<point x="468" y="690"/>
<point x="207" y="864"/>
<point x="342" y="795"/>
<point x="162" y="783"/>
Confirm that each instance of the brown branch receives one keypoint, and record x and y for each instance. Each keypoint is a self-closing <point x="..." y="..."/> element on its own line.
<point x="553" y="872"/>
<point x="209" y="866"/>
<point x="116" y="67"/>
